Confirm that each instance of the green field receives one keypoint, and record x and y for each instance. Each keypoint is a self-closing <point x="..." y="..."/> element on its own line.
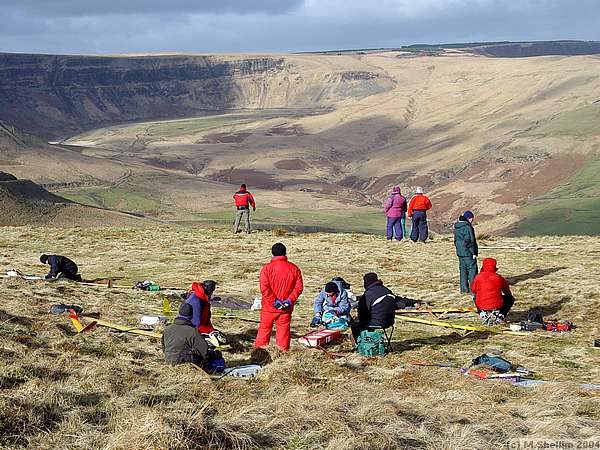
<point x="118" y="198"/>
<point x="135" y="136"/>
<point x="366" y="220"/>
<point x="570" y="209"/>
<point x="579" y="122"/>
<point x="369" y="221"/>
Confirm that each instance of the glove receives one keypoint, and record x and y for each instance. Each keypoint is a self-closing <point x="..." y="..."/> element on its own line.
<point x="287" y="304"/>
<point x="278" y="304"/>
<point x="315" y="322"/>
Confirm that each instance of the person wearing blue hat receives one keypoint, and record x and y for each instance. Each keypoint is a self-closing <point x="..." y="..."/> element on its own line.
<point x="466" y="250"/>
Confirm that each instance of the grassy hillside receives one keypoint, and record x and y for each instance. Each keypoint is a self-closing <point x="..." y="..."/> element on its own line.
<point x="315" y="135"/>
<point x="580" y="122"/>
<point x="24" y="202"/>
<point x="346" y="220"/>
<point x="573" y="208"/>
<point x="110" y="390"/>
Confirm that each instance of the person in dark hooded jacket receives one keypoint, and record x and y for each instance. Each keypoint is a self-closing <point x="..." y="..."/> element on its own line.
<point x="376" y="307"/>
<point x="60" y="266"/>
<point x="181" y="341"/>
<point x="466" y="250"/>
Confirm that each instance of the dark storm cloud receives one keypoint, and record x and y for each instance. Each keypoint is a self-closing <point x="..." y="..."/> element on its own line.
<point x="110" y="26"/>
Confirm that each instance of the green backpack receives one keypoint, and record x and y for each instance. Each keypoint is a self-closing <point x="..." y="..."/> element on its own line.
<point x="371" y="343"/>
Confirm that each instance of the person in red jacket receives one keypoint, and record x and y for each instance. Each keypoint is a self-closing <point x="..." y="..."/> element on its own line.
<point x="491" y="292"/>
<point x="243" y="201"/>
<point x="280" y="286"/>
<point x="417" y="211"/>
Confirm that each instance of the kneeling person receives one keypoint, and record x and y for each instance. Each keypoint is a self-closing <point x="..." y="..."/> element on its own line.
<point x="332" y="307"/>
<point x="376" y="307"/>
<point x="199" y="298"/>
<point x="182" y="342"/>
<point x="60" y="266"/>
<point x="491" y="292"/>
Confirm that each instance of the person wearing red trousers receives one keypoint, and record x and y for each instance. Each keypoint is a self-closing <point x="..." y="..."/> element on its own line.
<point x="280" y="286"/>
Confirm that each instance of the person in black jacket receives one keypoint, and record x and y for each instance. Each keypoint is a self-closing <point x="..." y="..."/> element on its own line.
<point x="60" y="266"/>
<point x="466" y="250"/>
<point x="182" y="342"/>
<point x="376" y="307"/>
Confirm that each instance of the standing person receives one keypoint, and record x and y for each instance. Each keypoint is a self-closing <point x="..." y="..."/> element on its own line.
<point x="492" y="292"/>
<point x="395" y="211"/>
<point x="60" y="266"/>
<point x="243" y="201"/>
<point x="417" y="211"/>
<point x="280" y="286"/>
<point x="466" y="250"/>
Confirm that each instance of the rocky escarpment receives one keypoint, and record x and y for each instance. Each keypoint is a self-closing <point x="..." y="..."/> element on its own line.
<point x="548" y="48"/>
<point x="59" y="95"/>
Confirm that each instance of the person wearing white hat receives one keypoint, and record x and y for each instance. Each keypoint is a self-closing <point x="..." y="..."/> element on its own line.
<point x="417" y="211"/>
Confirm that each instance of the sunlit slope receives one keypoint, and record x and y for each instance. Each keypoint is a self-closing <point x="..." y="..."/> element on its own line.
<point x="492" y="135"/>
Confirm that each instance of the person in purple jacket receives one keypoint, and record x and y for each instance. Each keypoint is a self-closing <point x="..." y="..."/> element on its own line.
<point x="395" y="211"/>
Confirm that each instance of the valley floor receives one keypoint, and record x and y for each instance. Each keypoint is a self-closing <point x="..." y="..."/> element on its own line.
<point x="107" y="390"/>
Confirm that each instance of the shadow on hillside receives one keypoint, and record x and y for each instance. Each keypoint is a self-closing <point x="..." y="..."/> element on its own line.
<point x="537" y="273"/>
<point x="445" y="339"/>
<point x="548" y="311"/>
<point x="6" y="317"/>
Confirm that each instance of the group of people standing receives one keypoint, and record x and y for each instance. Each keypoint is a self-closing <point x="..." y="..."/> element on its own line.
<point x="397" y="209"/>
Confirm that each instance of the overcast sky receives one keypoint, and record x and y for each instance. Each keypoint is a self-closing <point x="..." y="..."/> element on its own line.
<point x="125" y="26"/>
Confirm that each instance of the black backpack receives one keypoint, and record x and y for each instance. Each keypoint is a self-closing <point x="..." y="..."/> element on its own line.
<point x="535" y="316"/>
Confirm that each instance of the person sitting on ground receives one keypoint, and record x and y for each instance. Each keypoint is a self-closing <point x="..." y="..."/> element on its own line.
<point x="181" y="341"/>
<point x="346" y="287"/>
<point x="417" y="210"/>
<point x="491" y="293"/>
<point x="376" y="307"/>
<point x="466" y="250"/>
<point x="395" y="211"/>
<point x="199" y="299"/>
<point x="60" y="266"/>
<point x="331" y="307"/>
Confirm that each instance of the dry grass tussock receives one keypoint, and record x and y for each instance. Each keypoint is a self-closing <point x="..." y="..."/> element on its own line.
<point x="112" y="391"/>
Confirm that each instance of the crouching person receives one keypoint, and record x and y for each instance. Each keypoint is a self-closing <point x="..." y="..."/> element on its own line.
<point x="181" y="341"/>
<point x="332" y="307"/>
<point x="492" y="295"/>
<point x="199" y="298"/>
<point x="60" y="266"/>
<point x="376" y="307"/>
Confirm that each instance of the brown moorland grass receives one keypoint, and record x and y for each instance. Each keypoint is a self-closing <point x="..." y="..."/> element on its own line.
<point x="112" y="391"/>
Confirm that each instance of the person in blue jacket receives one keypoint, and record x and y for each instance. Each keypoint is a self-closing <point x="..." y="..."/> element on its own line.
<point x="331" y="306"/>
